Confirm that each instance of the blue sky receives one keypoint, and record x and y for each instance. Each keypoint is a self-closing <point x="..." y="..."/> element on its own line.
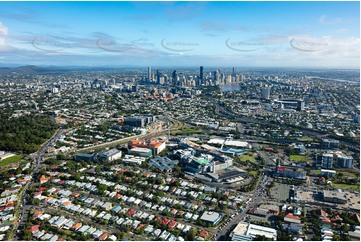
<point x="249" y="34"/>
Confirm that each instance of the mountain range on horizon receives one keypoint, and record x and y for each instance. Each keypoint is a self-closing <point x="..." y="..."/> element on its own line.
<point x="52" y="69"/>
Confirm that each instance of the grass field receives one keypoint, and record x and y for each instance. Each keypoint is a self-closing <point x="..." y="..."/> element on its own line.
<point x="299" y="158"/>
<point x="247" y="157"/>
<point x="306" y="139"/>
<point x="253" y="173"/>
<point x="10" y="160"/>
<point x="346" y="187"/>
<point x="348" y="174"/>
<point x="184" y="131"/>
<point x="317" y="172"/>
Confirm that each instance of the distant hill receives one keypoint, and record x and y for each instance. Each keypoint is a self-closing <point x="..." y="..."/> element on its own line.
<point x="4" y="69"/>
<point x="31" y="69"/>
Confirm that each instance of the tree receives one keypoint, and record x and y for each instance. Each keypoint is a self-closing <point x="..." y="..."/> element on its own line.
<point x="27" y="235"/>
<point x="101" y="189"/>
<point x="61" y="156"/>
<point x="336" y="237"/>
<point x="191" y="235"/>
<point x="345" y="228"/>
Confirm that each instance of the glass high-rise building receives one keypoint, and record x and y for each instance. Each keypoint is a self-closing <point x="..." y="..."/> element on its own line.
<point x="149" y="74"/>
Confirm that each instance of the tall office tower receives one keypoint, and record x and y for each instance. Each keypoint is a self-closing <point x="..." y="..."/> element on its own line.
<point x="166" y="79"/>
<point x="216" y="76"/>
<point x="158" y="77"/>
<point x="198" y="82"/>
<point x="222" y="77"/>
<point x="266" y="92"/>
<point x="149" y="74"/>
<point x="174" y="77"/>
<point x="229" y="79"/>
<point x="233" y="73"/>
<point x="201" y="73"/>
<point x="161" y="80"/>
<point x="241" y="78"/>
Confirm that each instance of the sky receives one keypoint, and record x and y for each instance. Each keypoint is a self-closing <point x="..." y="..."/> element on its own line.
<point x="224" y="34"/>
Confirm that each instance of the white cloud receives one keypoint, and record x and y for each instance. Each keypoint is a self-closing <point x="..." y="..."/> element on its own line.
<point x="3" y="34"/>
<point x="325" y="20"/>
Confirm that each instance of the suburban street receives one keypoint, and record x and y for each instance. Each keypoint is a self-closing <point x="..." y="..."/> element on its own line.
<point x="37" y="159"/>
<point x="256" y="198"/>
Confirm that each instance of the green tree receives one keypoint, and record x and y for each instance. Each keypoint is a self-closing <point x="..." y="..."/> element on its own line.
<point x="191" y="235"/>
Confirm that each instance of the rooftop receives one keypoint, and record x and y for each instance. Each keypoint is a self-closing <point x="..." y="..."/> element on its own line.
<point x="211" y="216"/>
<point x="244" y="230"/>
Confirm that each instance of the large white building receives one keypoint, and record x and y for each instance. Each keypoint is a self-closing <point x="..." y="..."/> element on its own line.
<point x="328" y="173"/>
<point x="247" y="232"/>
<point x="110" y="155"/>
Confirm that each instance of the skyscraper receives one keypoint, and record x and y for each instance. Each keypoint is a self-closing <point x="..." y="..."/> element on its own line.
<point x="174" y="77"/>
<point x="266" y="92"/>
<point x="201" y="73"/>
<point x="149" y="74"/>
<point x="158" y="77"/>
<point x="216" y="76"/>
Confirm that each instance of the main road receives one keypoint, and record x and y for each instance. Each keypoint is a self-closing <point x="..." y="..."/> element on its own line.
<point x="37" y="159"/>
<point x="256" y="198"/>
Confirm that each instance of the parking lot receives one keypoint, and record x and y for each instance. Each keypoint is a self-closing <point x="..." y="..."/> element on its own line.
<point x="280" y="192"/>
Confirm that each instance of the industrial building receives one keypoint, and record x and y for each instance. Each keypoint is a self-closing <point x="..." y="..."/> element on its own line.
<point x="152" y="144"/>
<point x="163" y="163"/>
<point x="139" y="121"/>
<point x="104" y="155"/>
<point x="334" y="197"/>
<point x="133" y="159"/>
<point x="109" y="155"/>
<point x="247" y="232"/>
<point x="138" y="151"/>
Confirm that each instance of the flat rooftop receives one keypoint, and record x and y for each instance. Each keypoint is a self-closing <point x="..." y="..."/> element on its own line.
<point x="210" y="216"/>
<point x="253" y="230"/>
<point x="202" y="161"/>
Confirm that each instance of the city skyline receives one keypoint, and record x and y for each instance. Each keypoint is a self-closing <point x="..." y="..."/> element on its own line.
<point x="248" y="34"/>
